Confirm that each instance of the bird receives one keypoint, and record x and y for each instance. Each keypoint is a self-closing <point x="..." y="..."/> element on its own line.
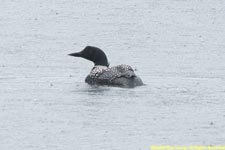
<point x="101" y="74"/>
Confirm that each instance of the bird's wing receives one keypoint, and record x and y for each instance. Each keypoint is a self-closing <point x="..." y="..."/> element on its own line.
<point x="117" y="72"/>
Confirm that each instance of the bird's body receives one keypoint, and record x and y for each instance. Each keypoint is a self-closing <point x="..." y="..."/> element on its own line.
<point x="121" y="75"/>
<point x="101" y="74"/>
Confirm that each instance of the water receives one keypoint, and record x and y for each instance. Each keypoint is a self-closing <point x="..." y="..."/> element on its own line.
<point x="177" y="47"/>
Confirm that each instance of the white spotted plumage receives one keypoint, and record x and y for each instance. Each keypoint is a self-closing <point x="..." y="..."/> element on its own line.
<point x="106" y="73"/>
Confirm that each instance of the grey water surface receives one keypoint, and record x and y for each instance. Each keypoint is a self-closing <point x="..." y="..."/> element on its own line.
<point x="176" y="46"/>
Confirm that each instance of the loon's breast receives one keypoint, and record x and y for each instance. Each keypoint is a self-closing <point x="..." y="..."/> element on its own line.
<point x="121" y="75"/>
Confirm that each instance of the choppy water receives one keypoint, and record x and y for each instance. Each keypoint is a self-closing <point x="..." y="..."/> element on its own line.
<point x="177" y="46"/>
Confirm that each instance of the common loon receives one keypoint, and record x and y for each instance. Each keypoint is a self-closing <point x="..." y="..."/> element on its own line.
<point x="102" y="74"/>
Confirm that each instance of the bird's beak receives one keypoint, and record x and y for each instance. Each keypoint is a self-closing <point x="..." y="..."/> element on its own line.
<point x="78" y="54"/>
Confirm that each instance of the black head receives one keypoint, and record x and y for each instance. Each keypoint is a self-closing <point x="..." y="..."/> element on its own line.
<point x="93" y="54"/>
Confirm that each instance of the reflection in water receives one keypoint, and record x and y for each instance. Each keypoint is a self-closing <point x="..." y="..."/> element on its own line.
<point x="97" y="89"/>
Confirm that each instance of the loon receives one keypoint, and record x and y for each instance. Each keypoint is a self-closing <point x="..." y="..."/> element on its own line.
<point x="102" y="74"/>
